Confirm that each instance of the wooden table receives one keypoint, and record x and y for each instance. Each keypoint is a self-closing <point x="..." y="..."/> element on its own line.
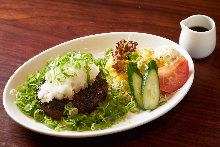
<point x="28" y="27"/>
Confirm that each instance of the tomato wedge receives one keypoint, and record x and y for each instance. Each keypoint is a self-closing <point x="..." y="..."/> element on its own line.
<point x="173" y="77"/>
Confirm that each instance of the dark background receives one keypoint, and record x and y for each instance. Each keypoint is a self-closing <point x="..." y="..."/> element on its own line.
<point x="28" y="27"/>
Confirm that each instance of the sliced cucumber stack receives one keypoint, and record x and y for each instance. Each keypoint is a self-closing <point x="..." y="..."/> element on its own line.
<point x="150" y="88"/>
<point x="135" y="81"/>
<point x="146" y="89"/>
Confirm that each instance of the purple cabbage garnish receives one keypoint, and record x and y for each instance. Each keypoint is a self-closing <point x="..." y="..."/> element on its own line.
<point x="120" y="53"/>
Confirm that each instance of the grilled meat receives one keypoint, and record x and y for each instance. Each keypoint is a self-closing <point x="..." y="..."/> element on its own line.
<point x="54" y="108"/>
<point x="86" y="100"/>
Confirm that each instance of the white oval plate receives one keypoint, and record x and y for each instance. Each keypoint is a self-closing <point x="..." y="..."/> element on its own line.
<point x="95" y="44"/>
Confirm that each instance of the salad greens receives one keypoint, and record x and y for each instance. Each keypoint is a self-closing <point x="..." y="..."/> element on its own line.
<point x="115" y="107"/>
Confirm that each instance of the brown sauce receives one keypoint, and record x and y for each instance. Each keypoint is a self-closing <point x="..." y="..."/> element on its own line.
<point x="199" y="29"/>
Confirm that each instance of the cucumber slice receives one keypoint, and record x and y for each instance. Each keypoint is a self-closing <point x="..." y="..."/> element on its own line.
<point x="135" y="81"/>
<point x="150" y="87"/>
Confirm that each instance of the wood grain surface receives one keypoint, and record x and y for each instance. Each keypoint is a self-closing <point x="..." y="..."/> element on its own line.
<point x="28" y="27"/>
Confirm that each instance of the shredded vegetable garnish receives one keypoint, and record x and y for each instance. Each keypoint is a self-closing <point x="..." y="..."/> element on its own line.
<point x="113" y="67"/>
<point x="113" y="109"/>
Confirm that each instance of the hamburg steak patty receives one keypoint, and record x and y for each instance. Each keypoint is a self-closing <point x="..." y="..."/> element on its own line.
<point x="86" y="100"/>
